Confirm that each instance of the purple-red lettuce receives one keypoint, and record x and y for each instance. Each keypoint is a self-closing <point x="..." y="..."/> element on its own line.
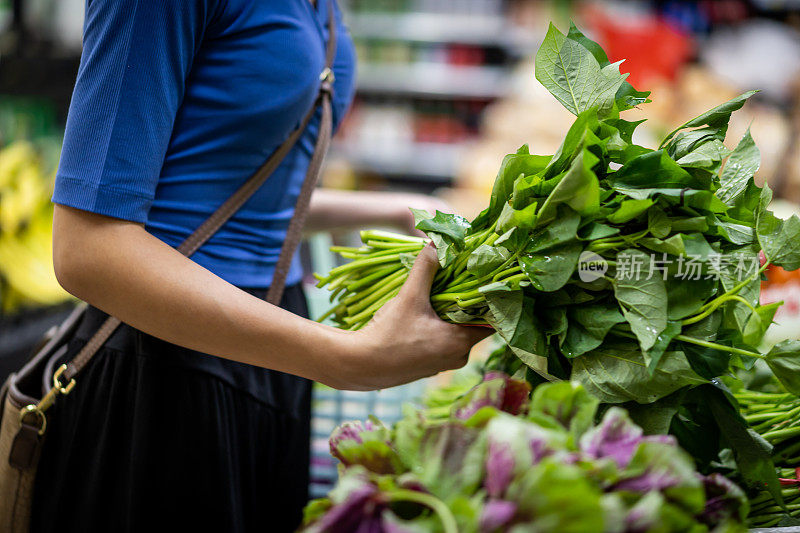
<point x="368" y="445"/>
<point x="496" y="390"/>
<point x="617" y="438"/>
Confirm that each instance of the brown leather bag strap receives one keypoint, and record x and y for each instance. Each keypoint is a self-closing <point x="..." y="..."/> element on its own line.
<point x="294" y="232"/>
<point x="214" y="222"/>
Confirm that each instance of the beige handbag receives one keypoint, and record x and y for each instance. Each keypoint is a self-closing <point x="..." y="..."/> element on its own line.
<point x="27" y="394"/>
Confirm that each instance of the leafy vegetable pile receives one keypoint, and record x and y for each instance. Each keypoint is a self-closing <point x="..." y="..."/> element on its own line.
<point x="631" y="270"/>
<point x="501" y="462"/>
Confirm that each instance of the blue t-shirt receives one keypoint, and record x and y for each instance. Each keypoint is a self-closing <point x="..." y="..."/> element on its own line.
<point x="177" y="103"/>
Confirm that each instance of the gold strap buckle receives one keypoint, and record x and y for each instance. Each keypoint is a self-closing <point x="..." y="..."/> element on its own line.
<point x="63" y="389"/>
<point x="41" y="419"/>
<point x="47" y="401"/>
<point x="327" y="75"/>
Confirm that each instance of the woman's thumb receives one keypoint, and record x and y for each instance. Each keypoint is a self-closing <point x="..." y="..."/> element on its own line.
<point x="420" y="278"/>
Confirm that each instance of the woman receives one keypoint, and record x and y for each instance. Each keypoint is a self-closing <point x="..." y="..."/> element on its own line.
<point x="175" y="105"/>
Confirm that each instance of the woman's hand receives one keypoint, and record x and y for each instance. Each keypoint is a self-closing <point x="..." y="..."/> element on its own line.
<point x="405" y="340"/>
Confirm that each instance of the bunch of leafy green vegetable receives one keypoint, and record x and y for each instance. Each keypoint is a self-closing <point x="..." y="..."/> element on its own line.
<point x="631" y="270"/>
<point x="501" y="462"/>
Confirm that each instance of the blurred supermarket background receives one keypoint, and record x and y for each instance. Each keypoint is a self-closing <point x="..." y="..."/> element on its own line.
<point x="445" y="89"/>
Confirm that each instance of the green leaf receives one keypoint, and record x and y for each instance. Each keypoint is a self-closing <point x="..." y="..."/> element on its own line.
<point x="780" y="239"/>
<point x="686" y="296"/>
<point x="571" y="73"/>
<point x="624" y="128"/>
<point x="707" y="329"/>
<point x="451" y="226"/>
<point x="656" y="460"/>
<point x="653" y="356"/>
<point x="446" y="251"/>
<point x="752" y="453"/>
<point x="568" y="403"/>
<point x="450" y="459"/>
<point x="510" y="218"/>
<point x="512" y="315"/>
<point x="706" y="362"/>
<point x="555" y="322"/>
<point x="739" y="169"/>
<point x="447" y="231"/>
<point x="758" y="323"/>
<point x="485" y="259"/>
<point x="688" y="197"/>
<point x="578" y="189"/>
<point x="550" y="270"/>
<point x="717" y="117"/>
<point x="628" y="210"/>
<point x="649" y="169"/>
<point x="557" y="497"/>
<point x="736" y="267"/>
<point x="596" y="230"/>
<point x="626" y="97"/>
<point x="784" y="361"/>
<point x="655" y="512"/>
<point x="672" y="246"/>
<point x="708" y="155"/>
<point x="697" y="247"/>
<point x="408" y="434"/>
<point x="579" y="136"/>
<point x="738" y="234"/>
<point x="617" y="373"/>
<point x="515" y="239"/>
<point x="655" y="418"/>
<point x="643" y="300"/>
<point x="407" y="259"/>
<point x="690" y="224"/>
<point x="527" y="189"/>
<point x="561" y="231"/>
<point x="746" y="206"/>
<point x="588" y="327"/>
<point x="515" y="165"/>
<point x="658" y="223"/>
<point x="686" y="141"/>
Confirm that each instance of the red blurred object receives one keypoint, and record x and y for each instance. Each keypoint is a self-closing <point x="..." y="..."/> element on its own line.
<point x="652" y="48"/>
<point x="778" y="276"/>
<point x="439" y="129"/>
<point x="465" y="55"/>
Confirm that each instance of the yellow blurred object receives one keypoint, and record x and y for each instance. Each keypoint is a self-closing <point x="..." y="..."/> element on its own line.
<point x="26" y="263"/>
<point x="13" y="158"/>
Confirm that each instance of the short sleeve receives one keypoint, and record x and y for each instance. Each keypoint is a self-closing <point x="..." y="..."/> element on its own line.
<point x="136" y="58"/>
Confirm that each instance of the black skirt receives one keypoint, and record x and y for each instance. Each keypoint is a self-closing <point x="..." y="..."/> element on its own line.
<point x="156" y="437"/>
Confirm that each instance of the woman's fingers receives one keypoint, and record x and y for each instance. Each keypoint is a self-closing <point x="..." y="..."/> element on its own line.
<point x="476" y="334"/>
<point x="417" y="287"/>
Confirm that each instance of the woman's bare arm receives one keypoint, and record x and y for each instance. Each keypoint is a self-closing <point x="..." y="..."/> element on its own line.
<point x="120" y="268"/>
<point x="333" y="209"/>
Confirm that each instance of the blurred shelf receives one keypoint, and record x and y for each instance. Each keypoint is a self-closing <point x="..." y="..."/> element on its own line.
<point x="434" y="80"/>
<point x="435" y="162"/>
<point x="432" y="28"/>
<point x="478" y="30"/>
<point x="777" y="5"/>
